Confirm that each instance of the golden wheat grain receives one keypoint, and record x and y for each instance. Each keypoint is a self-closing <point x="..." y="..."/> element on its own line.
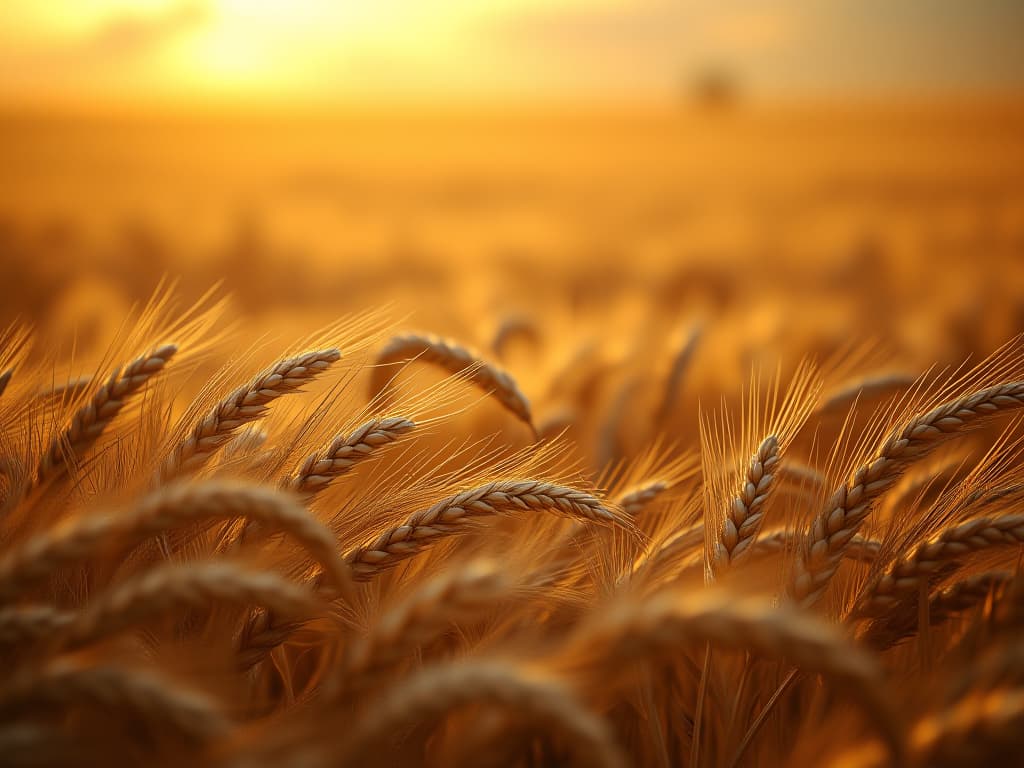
<point x="908" y="571"/>
<point x="90" y="421"/>
<point x="746" y="510"/>
<point x="167" y="508"/>
<point x="458" y="513"/>
<point x="345" y="451"/>
<point x="832" y="529"/>
<point x="157" y="700"/>
<point x="243" y="406"/>
<point x="454" y="359"/>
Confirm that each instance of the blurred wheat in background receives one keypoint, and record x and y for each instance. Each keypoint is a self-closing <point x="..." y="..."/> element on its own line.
<point x="524" y="383"/>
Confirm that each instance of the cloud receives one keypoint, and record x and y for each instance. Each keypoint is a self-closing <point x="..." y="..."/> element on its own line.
<point x="123" y="39"/>
<point x="131" y="34"/>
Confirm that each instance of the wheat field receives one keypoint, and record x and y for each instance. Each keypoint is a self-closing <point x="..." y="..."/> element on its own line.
<point x="720" y="481"/>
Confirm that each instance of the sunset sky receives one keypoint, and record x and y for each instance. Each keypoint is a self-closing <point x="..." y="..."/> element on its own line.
<point x="333" y="51"/>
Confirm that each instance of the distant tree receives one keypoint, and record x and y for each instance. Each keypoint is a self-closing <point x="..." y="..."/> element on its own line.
<point x="713" y="87"/>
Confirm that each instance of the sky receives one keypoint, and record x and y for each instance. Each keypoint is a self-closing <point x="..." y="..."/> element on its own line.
<point x="63" y="52"/>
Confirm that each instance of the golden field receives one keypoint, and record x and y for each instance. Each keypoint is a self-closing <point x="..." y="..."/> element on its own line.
<point x="522" y="438"/>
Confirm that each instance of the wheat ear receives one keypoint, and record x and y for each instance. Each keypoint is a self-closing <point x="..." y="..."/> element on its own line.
<point x="5" y="379"/>
<point x="92" y="419"/>
<point x="966" y="733"/>
<point x="958" y="597"/>
<point x="449" y="599"/>
<point x="243" y="406"/>
<point x="858" y="549"/>
<point x="66" y="390"/>
<point x="863" y="389"/>
<point x="156" y="699"/>
<point x="904" y="577"/>
<point x="24" y="624"/>
<point x="165" y="509"/>
<point x="345" y="451"/>
<point x="460" y="512"/>
<point x="844" y="513"/>
<point x="668" y="621"/>
<point x="454" y="359"/>
<point x="746" y="510"/>
<point x="175" y="586"/>
<point x="681" y="547"/>
<point x="636" y="499"/>
<point x="436" y="691"/>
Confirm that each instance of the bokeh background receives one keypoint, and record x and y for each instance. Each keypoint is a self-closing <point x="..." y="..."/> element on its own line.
<point x="789" y="177"/>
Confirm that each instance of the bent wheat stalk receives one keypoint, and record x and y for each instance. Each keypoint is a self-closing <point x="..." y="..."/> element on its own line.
<point x="454" y="359"/>
<point x="528" y="695"/>
<point x="177" y="586"/>
<point x="460" y="512"/>
<point x="165" y="509"/>
<point x="832" y="529"/>
<point x="664" y="623"/>
<point x="90" y="421"/>
<point x="159" y="701"/>
<point x="243" y="406"/>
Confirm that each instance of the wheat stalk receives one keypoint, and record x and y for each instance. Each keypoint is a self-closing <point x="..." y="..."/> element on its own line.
<point x="905" y="575"/>
<point x="456" y="514"/>
<point x="832" y="529"/>
<point x="158" y="700"/>
<point x="436" y="691"/>
<point x="243" y="406"/>
<point x="746" y="510"/>
<point x="661" y="625"/>
<point x="454" y="359"/>
<point x="345" y="451"/>
<point x="92" y="419"/>
<point x="178" y="586"/>
<point x="162" y="510"/>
